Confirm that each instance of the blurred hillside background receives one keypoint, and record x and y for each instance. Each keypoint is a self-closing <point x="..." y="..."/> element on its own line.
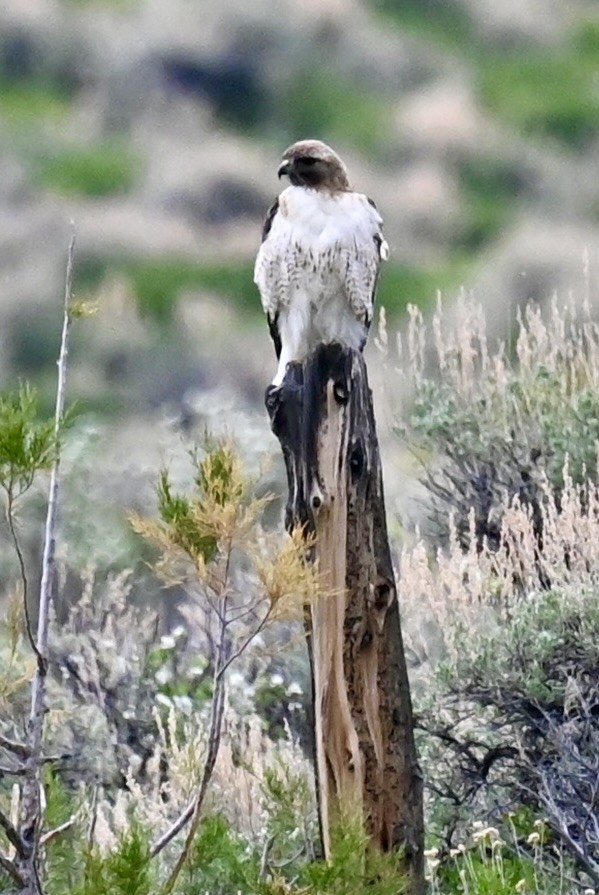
<point x="156" y="128"/>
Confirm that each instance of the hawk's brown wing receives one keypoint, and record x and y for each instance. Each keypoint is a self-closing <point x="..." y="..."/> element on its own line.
<point x="272" y="319"/>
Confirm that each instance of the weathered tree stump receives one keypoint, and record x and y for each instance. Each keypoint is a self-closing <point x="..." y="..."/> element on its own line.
<point x="365" y="755"/>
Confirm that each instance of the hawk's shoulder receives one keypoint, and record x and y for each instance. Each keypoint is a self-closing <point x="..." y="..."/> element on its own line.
<point x="380" y="242"/>
<point x="270" y="216"/>
<point x="272" y="315"/>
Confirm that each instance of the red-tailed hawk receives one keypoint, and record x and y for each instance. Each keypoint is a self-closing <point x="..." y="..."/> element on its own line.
<point x="317" y="267"/>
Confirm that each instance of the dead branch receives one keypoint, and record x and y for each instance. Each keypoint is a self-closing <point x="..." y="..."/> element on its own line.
<point x="10" y="869"/>
<point x="31" y="816"/>
<point x="51" y="835"/>
<point x="12" y="834"/>
<point x="21" y="749"/>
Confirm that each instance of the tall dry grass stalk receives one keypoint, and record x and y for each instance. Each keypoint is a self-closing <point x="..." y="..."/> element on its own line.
<point x="492" y="399"/>
<point x="455" y="345"/>
<point x="463" y="589"/>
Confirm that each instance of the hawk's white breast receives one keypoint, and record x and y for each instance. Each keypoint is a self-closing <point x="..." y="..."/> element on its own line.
<point x="317" y="239"/>
<point x="317" y="269"/>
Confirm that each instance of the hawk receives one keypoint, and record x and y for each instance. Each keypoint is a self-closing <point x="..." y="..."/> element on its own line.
<point x="318" y="265"/>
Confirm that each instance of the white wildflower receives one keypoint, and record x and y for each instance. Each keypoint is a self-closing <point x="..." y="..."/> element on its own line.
<point x="167" y="641"/>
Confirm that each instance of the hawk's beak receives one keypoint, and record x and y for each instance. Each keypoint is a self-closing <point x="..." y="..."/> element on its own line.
<point x="283" y="169"/>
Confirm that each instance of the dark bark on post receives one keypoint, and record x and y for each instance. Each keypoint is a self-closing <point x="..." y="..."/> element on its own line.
<point x="365" y="753"/>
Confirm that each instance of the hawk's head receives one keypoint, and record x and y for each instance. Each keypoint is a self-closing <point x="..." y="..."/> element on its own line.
<point x="313" y="164"/>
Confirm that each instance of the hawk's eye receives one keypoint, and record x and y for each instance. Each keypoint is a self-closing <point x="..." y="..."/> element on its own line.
<point x="308" y="160"/>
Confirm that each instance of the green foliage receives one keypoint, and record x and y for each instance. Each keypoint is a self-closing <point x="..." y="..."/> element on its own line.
<point x="402" y="284"/>
<point x="24" y="103"/>
<point x="319" y="101"/>
<point x="290" y="813"/>
<point x="158" y="284"/>
<point x="444" y="21"/>
<point x="27" y="445"/>
<point x="65" y="855"/>
<point x="184" y="527"/>
<point x="488" y="189"/>
<point x="219" y="474"/>
<point x="127" y="870"/>
<point x="532" y="416"/>
<point x="550" y="95"/>
<point x="196" y="524"/>
<point x="102" y="170"/>
<point x="488" y="443"/>
<point x="353" y="868"/>
<point x="549" y="638"/>
<point x="221" y="863"/>
<point x="490" y="870"/>
<point x="179" y="676"/>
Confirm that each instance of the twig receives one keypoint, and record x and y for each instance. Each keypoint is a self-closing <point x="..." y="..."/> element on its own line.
<point x="11" y="870"/>
<point x="5" y="771"/>
<point x="93" y="818"/>
<point x="213" y="746"/>
<point x="194" y="807"/>
<point x="15" y="804"/>
<point x="21" y="560"/>
<point x="21" y="769"/>
<point x="257" y="630"/>
<point x="172" y="831"/>
<point x="12" y="834"/>
<point x="268" y="844"/>
<point x="51" y="835"/>
<point x="32" y="803"/>
<point x="21" y="749"/>
<point x="193" y="812"/>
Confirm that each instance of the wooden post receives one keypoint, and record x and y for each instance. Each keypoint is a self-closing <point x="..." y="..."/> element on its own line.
<point x="365" y="755"/>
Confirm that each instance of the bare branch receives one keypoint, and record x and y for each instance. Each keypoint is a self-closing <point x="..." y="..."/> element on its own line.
<point x="193" y="812"/>
<point x="9" y="868"/>
<point x="93" y="818"/>
<point x="21" y="769"/>
<point x="51" y="835"/>
<point x="245" y="644"/>
<point x="32" y="802"/>
<point x="12" y="834"/>
<point x="218" y="706"/>
<point x="268" y="844"/>
<point x="6" y="771"/>
<point x="21" y="749"/>
<point x="10" y="517"/>
<point x="172" y="831"/>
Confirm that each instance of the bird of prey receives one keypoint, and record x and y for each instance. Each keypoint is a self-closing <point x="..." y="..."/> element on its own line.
<point x="317" y="267"/>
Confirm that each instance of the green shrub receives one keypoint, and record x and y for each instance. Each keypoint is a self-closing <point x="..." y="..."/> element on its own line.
<point x="401" y="285"/>
<point x="496" y="862"/>
<point x="127" y="870"/>
<point x="443" y="21"/>
<point x="544" y="94"/>
<point x="495" y="428"/>
<point x="488" y="189"/>
<point x="102" y="170"/>
<point x="158" y="284"/>
<point x="24" y="103"/>
<point x="221" y="862"/>
<point x="319" y="101"/>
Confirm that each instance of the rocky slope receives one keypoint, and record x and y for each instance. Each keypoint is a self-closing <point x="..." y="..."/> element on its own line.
<point x="155" y="129"/>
